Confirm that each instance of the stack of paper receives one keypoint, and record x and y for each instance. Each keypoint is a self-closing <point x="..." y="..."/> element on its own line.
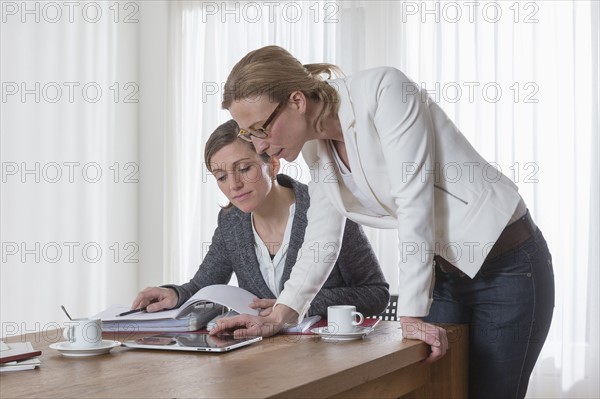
<point x="169" y="320"/>
<point x="18" y="356"/>
<point x="194" y="314"/>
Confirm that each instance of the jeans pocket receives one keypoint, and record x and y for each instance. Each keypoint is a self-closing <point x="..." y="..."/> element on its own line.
<point x="510" y="266"/>
<point x="504" y="274"/>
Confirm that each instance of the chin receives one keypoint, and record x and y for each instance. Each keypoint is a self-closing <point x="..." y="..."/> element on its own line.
<point x="291" y="157"/>
<point x="246" y="207"/>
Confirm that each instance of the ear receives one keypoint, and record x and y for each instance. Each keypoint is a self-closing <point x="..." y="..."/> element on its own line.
<point x="299" y="100"/>
<point x="274" y="165"/>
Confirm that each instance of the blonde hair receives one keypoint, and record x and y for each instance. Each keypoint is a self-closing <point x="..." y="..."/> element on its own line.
<point x="273" y="71"/>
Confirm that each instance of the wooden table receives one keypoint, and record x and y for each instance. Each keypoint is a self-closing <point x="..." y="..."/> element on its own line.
<point x="290" y="366"/>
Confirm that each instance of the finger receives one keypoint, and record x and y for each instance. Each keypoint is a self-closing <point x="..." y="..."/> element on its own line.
<point x="140" y="304"/>
<point x="444" y="340"/>
<point x="256" y="330"/>
<point x="229" y="323"/>
<point x="252" y="331"/>
<point x="156" y="306"/>
<point x="262" y="303"/>
<point x="431" y="339"/>
<point x="435" y="355"/>
<point x="256" y="304"/>
<point x="266" y="312"/>
<point x="439" y="346"/>
<point x="137" y="301"/>
<point x="144" y="298"/>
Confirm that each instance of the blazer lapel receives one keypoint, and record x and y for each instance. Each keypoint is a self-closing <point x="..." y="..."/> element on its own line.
<point x="348" y="121"/>
<point x="298" y="227"/>
<point x="247" y="266"/>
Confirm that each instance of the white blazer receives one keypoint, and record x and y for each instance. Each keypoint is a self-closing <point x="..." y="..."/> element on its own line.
<point x="408" y="156"/>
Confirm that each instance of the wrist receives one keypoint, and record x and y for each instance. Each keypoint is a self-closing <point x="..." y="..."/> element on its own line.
<point x="283" y="314"/>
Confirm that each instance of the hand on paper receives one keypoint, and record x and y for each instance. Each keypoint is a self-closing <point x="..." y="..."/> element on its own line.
<point x="155" y="299"/>
<point x="246" y="325"/>
<point x="265" y="305"/>
<point x="434" y="336"/>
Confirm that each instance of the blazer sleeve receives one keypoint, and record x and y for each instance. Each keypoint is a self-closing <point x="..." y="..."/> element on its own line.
<point x="216" y="268"/>
<point x="318" y="254"/>
<point x="403" y="123"/>
<point x="356" y="279"/>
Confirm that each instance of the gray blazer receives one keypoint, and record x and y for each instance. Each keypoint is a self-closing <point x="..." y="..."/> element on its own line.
<point x="356" y="278"/>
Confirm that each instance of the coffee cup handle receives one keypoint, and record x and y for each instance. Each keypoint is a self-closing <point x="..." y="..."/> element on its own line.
<point x="67" y="333"/>
<point x="361" y="318"/>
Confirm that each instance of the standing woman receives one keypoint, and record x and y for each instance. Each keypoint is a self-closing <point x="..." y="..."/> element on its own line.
<point x="384" y="155"/>
<point x="260" y="232"/>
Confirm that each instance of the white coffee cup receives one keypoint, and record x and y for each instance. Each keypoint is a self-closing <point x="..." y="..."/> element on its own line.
<point x="341" y="319"/>
<point x="83" y="333"/>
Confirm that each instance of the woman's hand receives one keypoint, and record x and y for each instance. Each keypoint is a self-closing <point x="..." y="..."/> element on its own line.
<point x="265" y="305"/>
<point x="434" y="336"/>
<point x="155" y="299"/>
<point x="254" y="326"/>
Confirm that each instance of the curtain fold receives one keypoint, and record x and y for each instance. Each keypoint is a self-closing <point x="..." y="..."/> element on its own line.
<point x="520" y="79"/>
<point x="69" y="163"/>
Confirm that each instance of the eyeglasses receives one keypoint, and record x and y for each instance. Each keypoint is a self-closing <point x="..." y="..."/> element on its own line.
<point x="261" y="132"/>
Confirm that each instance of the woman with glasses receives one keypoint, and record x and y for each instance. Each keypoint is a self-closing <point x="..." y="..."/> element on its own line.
<point x="383" y="154"/>
<point x="260" y="232"/>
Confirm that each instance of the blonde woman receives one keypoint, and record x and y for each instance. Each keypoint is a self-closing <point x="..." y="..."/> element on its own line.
<point x="384" y="155"/>
<point x="260" y="233"/>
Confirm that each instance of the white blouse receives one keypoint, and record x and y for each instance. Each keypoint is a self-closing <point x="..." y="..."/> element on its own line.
<point x="272" y="269"/>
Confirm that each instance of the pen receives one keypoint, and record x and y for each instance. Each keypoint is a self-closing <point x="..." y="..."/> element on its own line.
<point x="131" y="312"/>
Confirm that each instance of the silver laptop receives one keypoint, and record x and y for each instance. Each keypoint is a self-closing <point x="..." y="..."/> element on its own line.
<point x="194" y="342"/>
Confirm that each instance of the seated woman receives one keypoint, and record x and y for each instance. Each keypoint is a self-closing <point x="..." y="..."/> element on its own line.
<point x="260" y="232"/>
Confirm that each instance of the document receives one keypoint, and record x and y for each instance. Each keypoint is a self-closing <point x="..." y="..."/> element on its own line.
<point x="194" y="314"/>
<point x="18" y="356"/>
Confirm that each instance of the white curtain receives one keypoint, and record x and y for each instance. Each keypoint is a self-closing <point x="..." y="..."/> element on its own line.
<point x="69" y="157"/>
<point x="519" y="78"/>
<point x="208" y="38"/>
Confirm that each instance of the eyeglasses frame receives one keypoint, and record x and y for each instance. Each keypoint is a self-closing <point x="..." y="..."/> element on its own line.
<point x="261" y="132"/>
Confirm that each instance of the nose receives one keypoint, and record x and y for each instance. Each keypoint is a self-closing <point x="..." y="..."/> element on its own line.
<point x="235" y="182"/>
<point x="260" y="145"/>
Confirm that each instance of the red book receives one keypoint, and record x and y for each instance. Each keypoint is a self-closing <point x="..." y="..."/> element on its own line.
<point x="18" y="351"/>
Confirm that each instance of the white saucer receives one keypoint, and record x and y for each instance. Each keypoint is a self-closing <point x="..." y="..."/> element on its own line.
<point x="66" y="349"/>
<point x="330" y="336"/>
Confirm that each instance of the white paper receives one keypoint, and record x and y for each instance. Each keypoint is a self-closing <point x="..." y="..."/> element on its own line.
<point x="233" y="297"/>
<point x="111" y="313"/>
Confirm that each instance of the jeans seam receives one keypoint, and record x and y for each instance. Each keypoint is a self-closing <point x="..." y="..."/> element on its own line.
<point x="519" y="383"/>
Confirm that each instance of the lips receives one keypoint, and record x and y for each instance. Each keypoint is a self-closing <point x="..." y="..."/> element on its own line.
<point x="277" y="154"/>
<point x="241" y="197"/>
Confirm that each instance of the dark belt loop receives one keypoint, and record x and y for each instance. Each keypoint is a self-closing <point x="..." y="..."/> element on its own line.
<point x="513" y="235"/>
<point x="447" y="267"/>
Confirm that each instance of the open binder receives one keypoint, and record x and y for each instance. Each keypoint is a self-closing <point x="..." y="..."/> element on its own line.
<point x="194" y="314"/>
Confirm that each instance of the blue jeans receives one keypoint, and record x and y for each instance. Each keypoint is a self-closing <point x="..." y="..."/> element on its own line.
<point x="508" y="306"/>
